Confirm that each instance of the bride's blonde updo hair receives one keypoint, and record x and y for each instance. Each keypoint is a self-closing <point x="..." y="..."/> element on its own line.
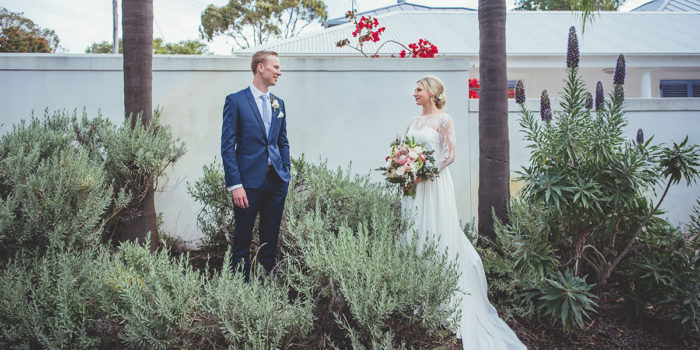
<point x="436" y="88"/>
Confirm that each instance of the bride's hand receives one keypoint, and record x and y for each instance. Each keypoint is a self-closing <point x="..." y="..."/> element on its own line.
<point x="417" y="180"/>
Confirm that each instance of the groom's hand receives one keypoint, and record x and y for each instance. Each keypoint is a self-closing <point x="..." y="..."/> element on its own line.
<point x="239" y="198"/>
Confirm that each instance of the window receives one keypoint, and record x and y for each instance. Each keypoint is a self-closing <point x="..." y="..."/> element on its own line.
<point x="680" y="88"/>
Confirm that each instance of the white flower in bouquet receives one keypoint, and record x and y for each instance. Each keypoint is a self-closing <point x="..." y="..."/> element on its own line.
<point x="401" y="170"/>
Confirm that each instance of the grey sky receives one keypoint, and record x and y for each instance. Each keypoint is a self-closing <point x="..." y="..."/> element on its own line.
<point x="79" y="23"/>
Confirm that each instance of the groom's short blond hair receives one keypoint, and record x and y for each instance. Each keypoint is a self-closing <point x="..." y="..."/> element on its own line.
<point x="260" y="57"/>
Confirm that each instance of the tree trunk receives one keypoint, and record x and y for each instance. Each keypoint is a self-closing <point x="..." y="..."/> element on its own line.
<point x="494" y="170"/>
<point x="137" y="40"/>
<point x="115" y="27"/>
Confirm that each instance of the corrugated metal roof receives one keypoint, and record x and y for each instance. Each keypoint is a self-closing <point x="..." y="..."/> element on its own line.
<point x="401" y="6"/>
<point x="456" y="33"/>
<point x="670" y="6"/>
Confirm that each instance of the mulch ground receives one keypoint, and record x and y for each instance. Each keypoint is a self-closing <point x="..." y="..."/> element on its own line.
<point x="612" y="327"/>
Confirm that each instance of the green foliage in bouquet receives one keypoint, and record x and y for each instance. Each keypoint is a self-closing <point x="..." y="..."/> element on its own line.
<point x="584" y="207"/>
<point x="64" y="179"/>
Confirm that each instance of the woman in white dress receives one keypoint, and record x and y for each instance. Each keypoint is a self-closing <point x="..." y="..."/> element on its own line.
<point x="435" y="213"/>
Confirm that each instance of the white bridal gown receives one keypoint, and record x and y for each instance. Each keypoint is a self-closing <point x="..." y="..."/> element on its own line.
<point x="435" y="213"/>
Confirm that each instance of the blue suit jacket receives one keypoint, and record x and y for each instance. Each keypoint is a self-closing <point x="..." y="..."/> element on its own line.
<point x="244" y="146"/>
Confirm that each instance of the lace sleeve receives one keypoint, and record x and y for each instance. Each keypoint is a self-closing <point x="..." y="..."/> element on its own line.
<point x="447" y="141"/>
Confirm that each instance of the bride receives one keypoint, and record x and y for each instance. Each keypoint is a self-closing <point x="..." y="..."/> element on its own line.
<point x="435" y="213"/>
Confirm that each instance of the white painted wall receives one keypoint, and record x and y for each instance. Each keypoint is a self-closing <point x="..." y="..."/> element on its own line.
<point x="340" y="110"/>
<point x="668" y="120"/>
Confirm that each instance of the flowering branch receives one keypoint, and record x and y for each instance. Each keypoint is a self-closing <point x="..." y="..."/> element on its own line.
<point x="367" y="29"/>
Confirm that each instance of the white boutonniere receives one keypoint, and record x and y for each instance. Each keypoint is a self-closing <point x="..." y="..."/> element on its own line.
<point x="275" y="104"/>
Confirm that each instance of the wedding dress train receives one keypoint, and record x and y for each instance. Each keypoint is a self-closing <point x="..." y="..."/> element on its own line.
<point x="434" y="210"/>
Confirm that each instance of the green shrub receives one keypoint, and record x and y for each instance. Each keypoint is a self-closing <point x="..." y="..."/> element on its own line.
<point x="52" y="301"/>
<point x="134" y="158"/>
<point x="155" y="297"/>
<point x="215" y="219"/>
<point x="667" y="274"/>
<point x="51" y="192"/>
<point x="342" y="247"/>
<point x="589" y="184"/>
<point x="64" y="179"/>
<point x="255" y="315"/>
<point x="564" y="298"/>
<point x="377" y="277"/>
<point x="343" y="199"/>
<point x="584" y="208"/>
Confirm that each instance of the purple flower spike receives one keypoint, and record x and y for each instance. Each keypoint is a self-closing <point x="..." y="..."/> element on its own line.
<point x="547" y="115"/>
<point x="620" y="92"/>
<point x="620" y="71"/>
<point x="589" y="100"/>
<point x="519" y="92"/>
<point x="599" y="97"/>
<point x="640" y="137"/>
<point x="572" y="54"/>
<point x="545" y="107"/>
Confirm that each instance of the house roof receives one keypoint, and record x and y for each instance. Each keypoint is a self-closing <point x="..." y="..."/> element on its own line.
<point x="399" y="6"/>
<point x="535" y="33"/>
<point x="670" y="6"/>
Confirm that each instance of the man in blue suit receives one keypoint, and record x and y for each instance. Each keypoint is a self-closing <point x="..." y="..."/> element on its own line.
<point x="255" y="153"/>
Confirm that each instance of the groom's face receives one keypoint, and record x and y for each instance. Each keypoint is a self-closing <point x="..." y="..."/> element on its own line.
<point x="270" y="70"/>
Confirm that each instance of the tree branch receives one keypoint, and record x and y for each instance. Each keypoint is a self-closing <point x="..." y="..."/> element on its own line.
<point x="639" y="229"/>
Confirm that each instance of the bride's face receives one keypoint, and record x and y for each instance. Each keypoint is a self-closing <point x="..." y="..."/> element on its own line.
<point x="421" y="95"/>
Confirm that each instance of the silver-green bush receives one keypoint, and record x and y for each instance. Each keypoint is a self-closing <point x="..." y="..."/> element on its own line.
<point x="51" y="192"/>
<point x="64" y="179"/>
<point x="52" y="301"/>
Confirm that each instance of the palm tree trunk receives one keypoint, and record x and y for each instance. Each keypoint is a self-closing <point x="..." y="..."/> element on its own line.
<point x="494" y="170"/>
<point x="137" y="31"/>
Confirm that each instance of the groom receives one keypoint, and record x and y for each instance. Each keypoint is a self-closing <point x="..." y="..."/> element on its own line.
<point x="255" y="153"/>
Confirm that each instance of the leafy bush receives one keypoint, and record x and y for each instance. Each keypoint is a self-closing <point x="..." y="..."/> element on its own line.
<point x="255" y="315"/>
<point x="564" y="298"/>
<point x="215" y="219"/>
<point x="344" y="235"/>
<point x="584" y="207"/>
<point x="52" y="301"/>
<point x="343" y="199"/>
<point x="667" y="275"/>
<point x="163" y="304"/>
<point x="51" y="192"/>
<point x="155" y="297"/>
<point x="506" y="282"/>
<point x="342" y="256"/>
<point x="64" y="179"/>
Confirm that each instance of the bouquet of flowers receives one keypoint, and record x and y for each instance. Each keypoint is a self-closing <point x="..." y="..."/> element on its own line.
<point x="407" y="161"/>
